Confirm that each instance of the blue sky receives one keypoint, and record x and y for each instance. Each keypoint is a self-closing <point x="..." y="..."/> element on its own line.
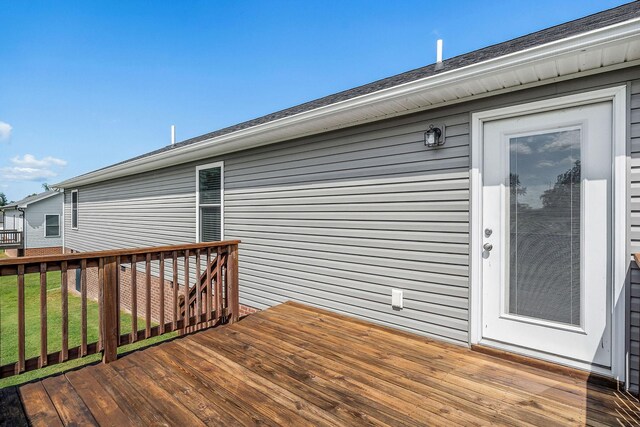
<point x="87" y="84"/>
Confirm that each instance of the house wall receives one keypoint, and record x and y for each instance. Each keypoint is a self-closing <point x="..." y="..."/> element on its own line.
<point x="34" y="214"/>
<point x="337" y="220"/>
<point x="634" y="233"/>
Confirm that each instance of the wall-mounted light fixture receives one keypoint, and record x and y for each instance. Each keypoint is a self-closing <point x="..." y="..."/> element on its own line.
<point x="434" y="136"/>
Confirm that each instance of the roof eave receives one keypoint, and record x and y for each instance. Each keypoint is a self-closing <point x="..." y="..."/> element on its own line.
<point x="403" y="99"/>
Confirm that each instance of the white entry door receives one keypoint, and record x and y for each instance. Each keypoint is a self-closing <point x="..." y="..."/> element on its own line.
<point x="546" y="234"/>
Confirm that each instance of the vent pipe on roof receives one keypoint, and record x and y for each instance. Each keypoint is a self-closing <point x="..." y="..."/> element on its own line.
<point x="439" y="54"/>
<point x="173" y="135"/>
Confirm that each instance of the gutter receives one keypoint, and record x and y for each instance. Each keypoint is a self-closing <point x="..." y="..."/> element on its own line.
<point x="333" y="115"/>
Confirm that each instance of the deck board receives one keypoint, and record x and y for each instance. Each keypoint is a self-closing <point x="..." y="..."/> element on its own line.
<point x="297" y="365"/>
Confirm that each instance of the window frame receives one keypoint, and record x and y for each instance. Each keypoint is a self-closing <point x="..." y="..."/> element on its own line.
<point x="75" y="227"/>
<point x="45" y="227"/>
<point x="198" y="205"/>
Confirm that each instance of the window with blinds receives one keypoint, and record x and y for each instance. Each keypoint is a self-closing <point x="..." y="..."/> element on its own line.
<point x="210" y="204"/>
<point x="74" y="209"/>
<point x="52" y="226"/>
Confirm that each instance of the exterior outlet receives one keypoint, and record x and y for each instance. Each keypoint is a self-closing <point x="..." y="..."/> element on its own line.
<point x="396" y="299"/>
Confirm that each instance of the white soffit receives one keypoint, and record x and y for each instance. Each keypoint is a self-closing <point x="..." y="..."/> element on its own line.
<point x="597" y="51"/>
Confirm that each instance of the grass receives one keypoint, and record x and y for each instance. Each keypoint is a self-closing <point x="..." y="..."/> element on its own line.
<point x="9" y="326"/>
<point x="2" y="254"/>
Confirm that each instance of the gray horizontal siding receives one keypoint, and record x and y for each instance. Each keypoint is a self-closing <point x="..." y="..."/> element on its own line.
<point x="34" y="215"/>
<point x="339" y="220"/>
<point x="336" y="220"/>
<point x="145" y="210"/>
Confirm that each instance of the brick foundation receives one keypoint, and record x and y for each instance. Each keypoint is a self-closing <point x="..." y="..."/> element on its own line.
<point x="43" y="251"/>
<point x="245" y="310"/>
<point x="33" y="251"/>
<point x="126" y="294"/>
<point x="126" y="297"/>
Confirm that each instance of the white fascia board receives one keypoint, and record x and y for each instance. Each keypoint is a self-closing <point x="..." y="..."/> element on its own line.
<point x="276" y="130"/>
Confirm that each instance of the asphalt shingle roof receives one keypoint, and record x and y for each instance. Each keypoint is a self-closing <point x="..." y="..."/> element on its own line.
<point x="30" y="199"/>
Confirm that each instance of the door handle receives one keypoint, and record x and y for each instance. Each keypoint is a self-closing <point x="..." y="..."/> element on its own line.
<point x="487" y="247"/>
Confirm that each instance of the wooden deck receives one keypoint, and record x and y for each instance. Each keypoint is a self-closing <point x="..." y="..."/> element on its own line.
<point x="294" y="365"/>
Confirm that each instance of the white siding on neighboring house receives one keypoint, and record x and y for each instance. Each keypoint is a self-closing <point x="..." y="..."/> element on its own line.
<point x="340" y="219"/>
<point x="13" y="220"/>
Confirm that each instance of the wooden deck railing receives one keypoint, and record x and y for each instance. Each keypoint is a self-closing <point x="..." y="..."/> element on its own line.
<point x="212" y="296"/>
<point x="10" y="238"/>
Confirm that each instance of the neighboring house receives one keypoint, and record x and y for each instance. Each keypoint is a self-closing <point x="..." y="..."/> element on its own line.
<point x="494" y="193"/>
<point x="33" y="225"/>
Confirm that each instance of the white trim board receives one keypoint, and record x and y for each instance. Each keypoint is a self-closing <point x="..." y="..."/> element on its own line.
<point x="618" y="97"/>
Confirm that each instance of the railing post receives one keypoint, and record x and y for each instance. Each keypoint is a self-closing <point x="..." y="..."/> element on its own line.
<point x="232" y="285"/>
<point x="110" y="310"/>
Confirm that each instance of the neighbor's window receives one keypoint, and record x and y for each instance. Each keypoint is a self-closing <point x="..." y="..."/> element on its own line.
<point x="52" y="226"/>
<point x="74" y="209"/>
<point x="210" y="179"/>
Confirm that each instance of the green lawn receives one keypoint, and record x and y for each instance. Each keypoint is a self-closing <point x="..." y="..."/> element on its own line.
<point x="9" y="325"/>
<point x="2" y="254"/>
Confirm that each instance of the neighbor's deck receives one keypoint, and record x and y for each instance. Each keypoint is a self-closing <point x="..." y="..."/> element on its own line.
<point x="294" y="365"/>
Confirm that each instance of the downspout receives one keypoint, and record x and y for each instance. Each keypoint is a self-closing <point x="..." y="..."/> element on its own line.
<point x="24" y="227"/>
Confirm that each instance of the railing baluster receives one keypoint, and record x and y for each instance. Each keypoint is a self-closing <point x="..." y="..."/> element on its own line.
<point x="161" y="314"/>
<point x="175" y="290"/>
<point x="208" y="289"/>
<point x="64" y="293"/>
<point x="83" y="302"/>
<point x="232" y="284"/>
<point x="21" y="326"/>
<point x="186" y="289"/>
<point x="117" y="291"/>
<point x="147" y="284"/>
<point x="111" y="313"/>
<point x="197" y="287"/>
<point x="218" y="291"/>
<point x="134" y="299"/>
<point x="101" y="304"/>
<point x="43" y="315"/>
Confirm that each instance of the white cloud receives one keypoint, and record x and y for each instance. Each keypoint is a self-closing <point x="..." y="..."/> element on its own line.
<point x="547" y="163"/>
<point x="562" y="141"/>
<point x="520" y="148"/>
<point x="29" y="161"/>
<point x="5" y="130"/>
<point x="30" y="168"/>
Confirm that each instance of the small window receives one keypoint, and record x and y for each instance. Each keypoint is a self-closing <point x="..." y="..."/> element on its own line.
<point x="74" y="209"/>
<point x="52" y="226"/>
<point x="210" y="184"/>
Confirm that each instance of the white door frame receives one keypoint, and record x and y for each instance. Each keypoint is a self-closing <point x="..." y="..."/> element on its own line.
<point x="619" y="217"/>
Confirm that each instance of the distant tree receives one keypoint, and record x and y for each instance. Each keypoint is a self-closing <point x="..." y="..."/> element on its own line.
<point x="45" y="186"/>
<point x="515" y="185"/>
<point x="3" y="199"/>
<point x="516" y="188"/>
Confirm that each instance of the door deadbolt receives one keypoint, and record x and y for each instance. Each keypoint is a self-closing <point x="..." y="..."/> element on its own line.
<point x="487" y="247"/>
